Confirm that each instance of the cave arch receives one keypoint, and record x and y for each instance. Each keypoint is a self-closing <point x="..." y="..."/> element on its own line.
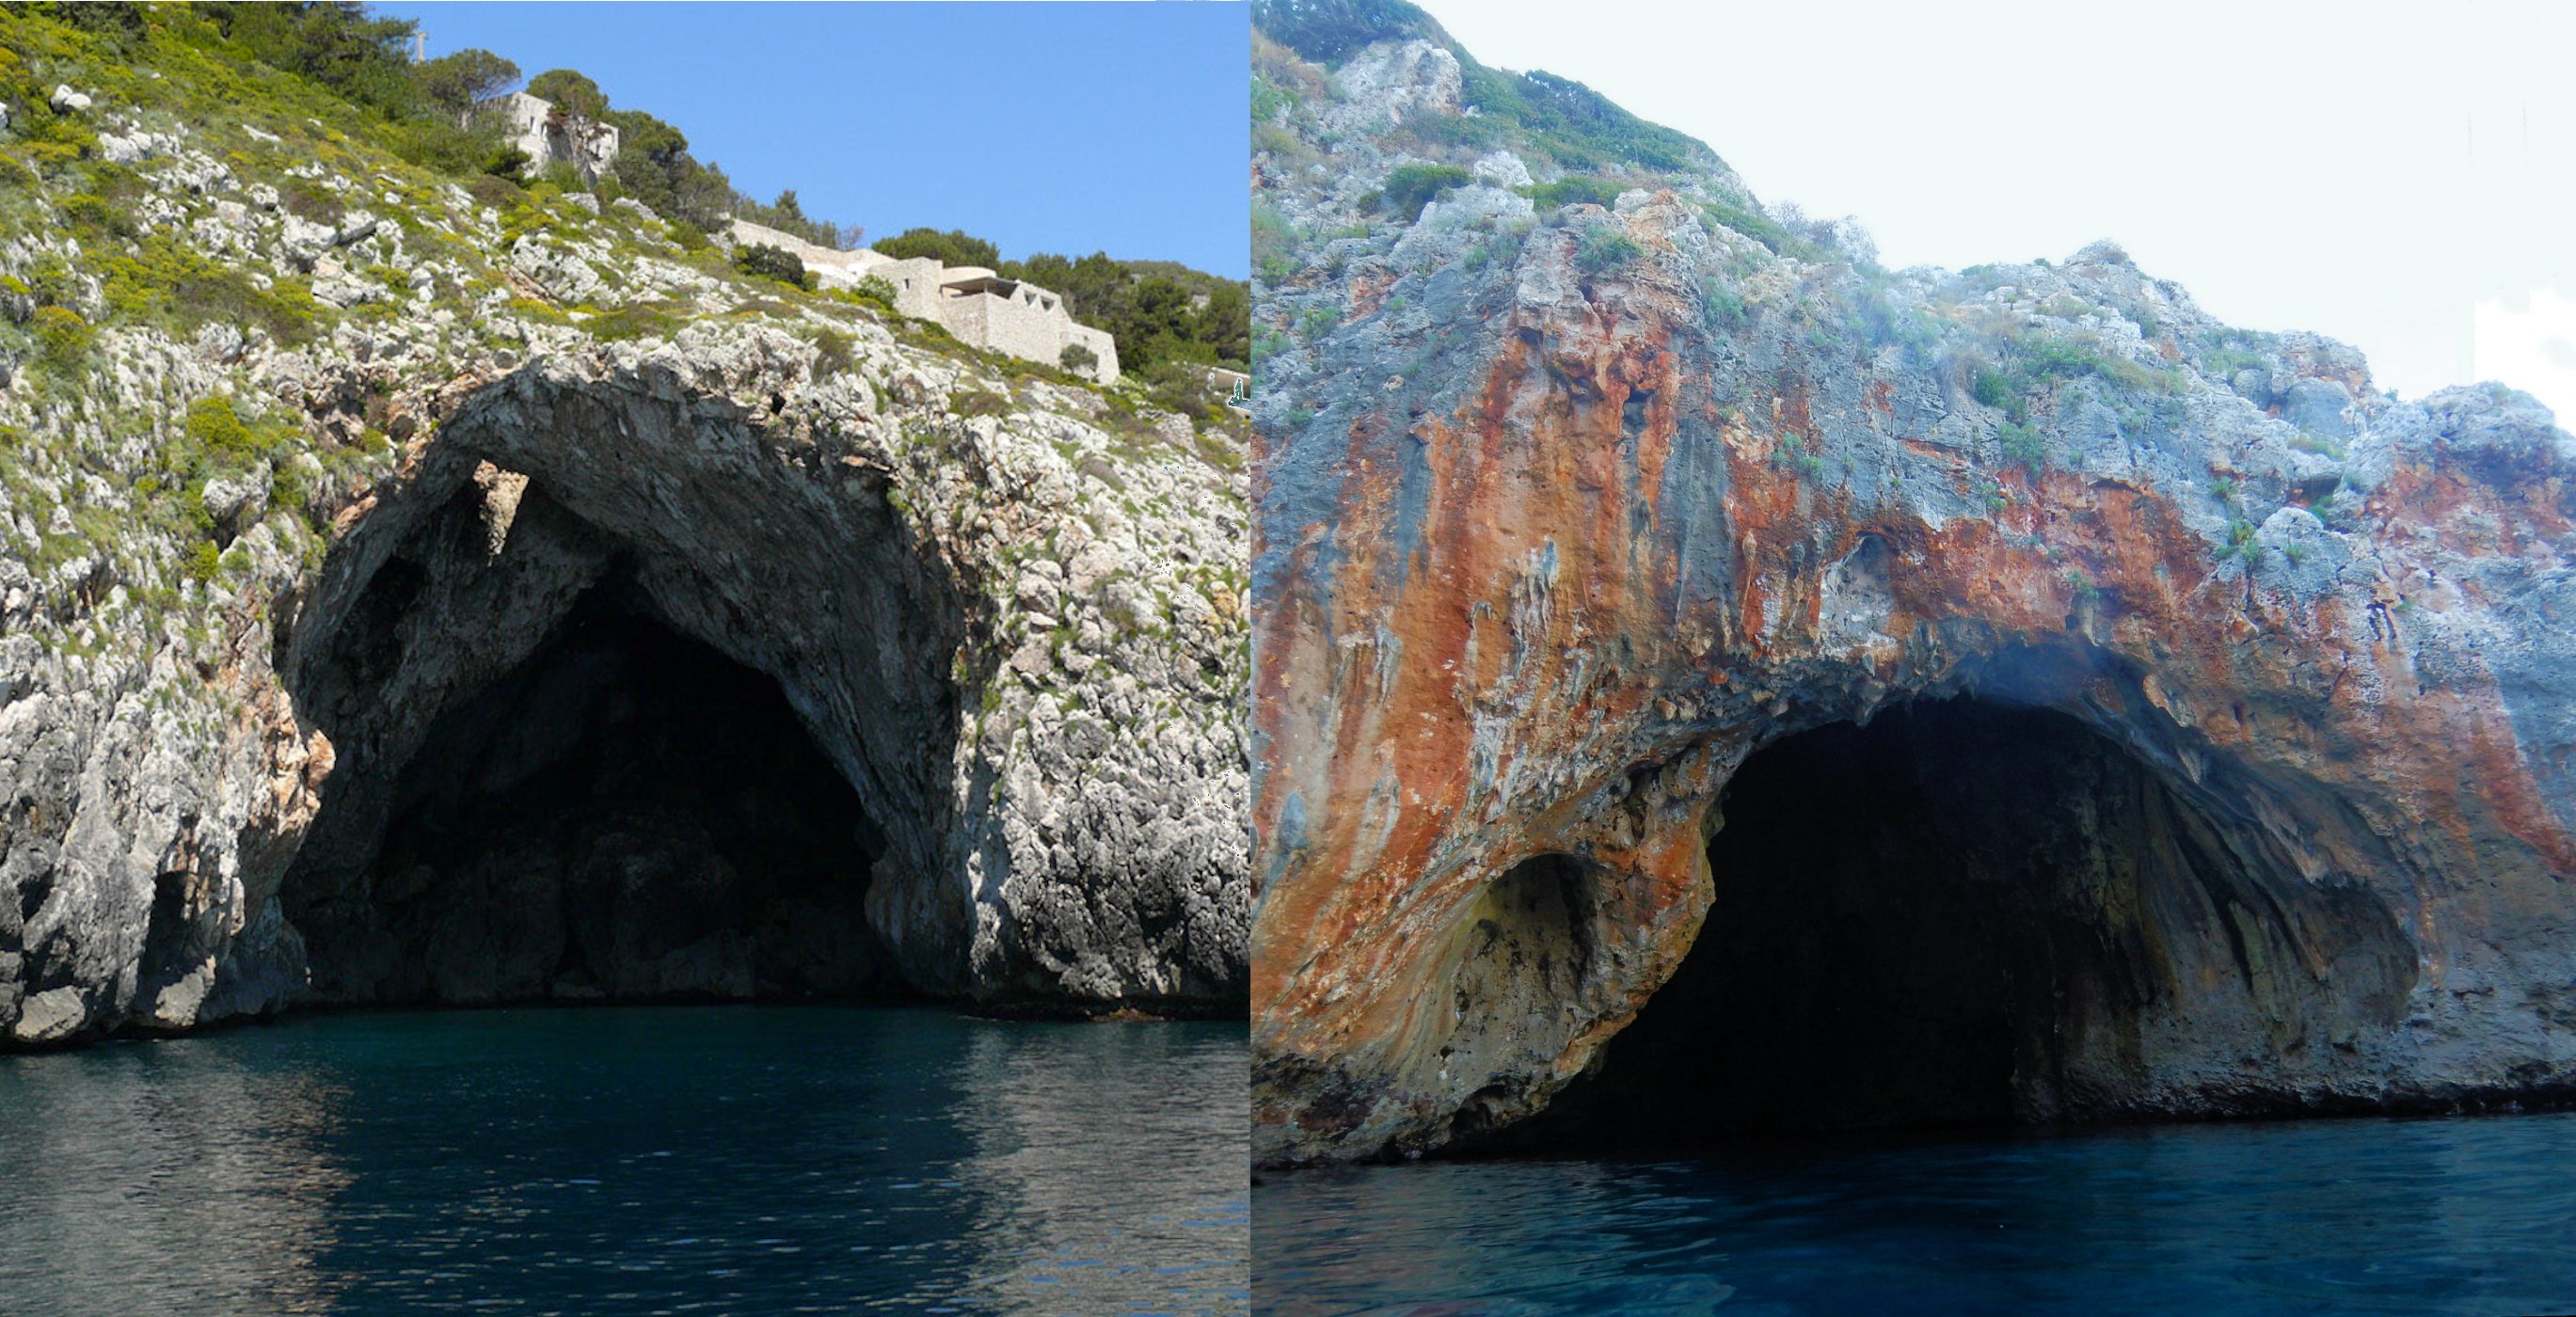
<point x="620" y="698"/>
<point x="1970" y="912"/>
<point x="626" y="814"/>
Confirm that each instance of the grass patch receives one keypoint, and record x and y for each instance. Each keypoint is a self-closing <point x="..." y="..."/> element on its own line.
<point x="1409" y="188"/>
<point x="1761" y="228"/>
<point x="2023" y="446"/>
<point x="162" y="282"/>
<point x="1571" y="191"/>
<point x="1605" y="248"/>
<point x="642" y="320"/>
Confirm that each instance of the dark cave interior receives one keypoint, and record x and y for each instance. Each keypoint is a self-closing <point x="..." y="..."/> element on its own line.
<point x="1968" y="913"/>
<point x="626" y="815"/>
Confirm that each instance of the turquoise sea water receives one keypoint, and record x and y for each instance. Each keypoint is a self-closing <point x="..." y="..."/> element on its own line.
<point x="748" y="1160"/>
<point x="2470" y="1215"/>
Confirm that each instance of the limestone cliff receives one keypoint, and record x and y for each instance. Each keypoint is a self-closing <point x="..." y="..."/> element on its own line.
<point x="422" y="591"/>
<point x="2157" y="718"/>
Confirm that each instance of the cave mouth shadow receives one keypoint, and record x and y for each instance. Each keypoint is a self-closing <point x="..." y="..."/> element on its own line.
<point x="1968" y="914"/>
<point x="625" y="815"/>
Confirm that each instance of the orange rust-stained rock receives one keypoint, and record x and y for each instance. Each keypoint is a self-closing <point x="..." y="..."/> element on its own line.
<point x="1546" y="550"/>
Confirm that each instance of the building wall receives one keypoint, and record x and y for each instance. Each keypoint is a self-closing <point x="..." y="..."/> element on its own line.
<point x="1102" y="345"/>
<point x="587" y="146"/>
<point x="916" y="284"/>
<point x="1031" y="324"/>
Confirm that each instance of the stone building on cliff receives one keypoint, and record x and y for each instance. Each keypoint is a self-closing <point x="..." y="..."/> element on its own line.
<point x="979" y="307"/>
<point x="553" y="137"/>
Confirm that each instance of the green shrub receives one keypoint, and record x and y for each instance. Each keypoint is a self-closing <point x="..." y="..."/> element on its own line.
<point x="975" y="402"/>
<point x="2223" y="363"/>
<point x="2242" y="545"/>
<point x="876" y="291"/>
<point x="1578" y="127"/>
<point x="1078" y="358"/>
<point x="572" y="92"/>
<point x="766" y="262"/>
<point x="289" y="488"/>
<point x="166" y="280"/>
<point x="1571" y="191"/>
<point x="501" y="194"/>
<point x="2309" y="441"/>
<point x="308" y="201"/>
<point x="2023" y="446"/>
<point x="1325" y="32"/>
<point x="641" y="320"/>
<point x="946" y="246"/>
<point x="1268" y="100"/>
<point x="62" y="337"/>
<point x="99" y="217"/>
<point x="1411" y="187"/>
<point x="1604" y="248"/>
<point x="202" y="560"/>
<point x="1762" y="229"/>
<point x="217" y="430"/>
<point x="1273" y="241"/>
<point x="1994" y="389"/>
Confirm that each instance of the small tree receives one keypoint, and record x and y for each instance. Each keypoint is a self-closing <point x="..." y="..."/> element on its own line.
<point x="458" y="82"/>
<point x="768" y="262"/>
<point x="508" y="162"/>
<point x="877" y="290"/>
<point x="1604" y="248"/>
<point x="572" y="93"/>
<point x="1078" y="359"/>
<point x="951" y="247"/>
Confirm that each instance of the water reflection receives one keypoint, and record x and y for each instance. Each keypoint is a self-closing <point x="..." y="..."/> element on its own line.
<point x="180" y="1169"/>
<point x="718" y="1159"/>
<point x="1113" y="1161"/>
<point x="2354" y="1216"/>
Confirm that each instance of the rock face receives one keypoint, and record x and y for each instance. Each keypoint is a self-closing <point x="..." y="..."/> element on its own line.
<point x="2135" y="716"/>
<point x="668" y="511"/>
<point x="452" y="637"/>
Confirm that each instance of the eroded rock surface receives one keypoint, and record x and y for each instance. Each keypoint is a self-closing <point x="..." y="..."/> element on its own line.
<point x="429" y="632"/>
<point x="1574" y="494"/>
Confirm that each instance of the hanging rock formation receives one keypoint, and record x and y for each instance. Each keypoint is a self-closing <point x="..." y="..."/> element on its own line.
<point x="1582" y="477"/>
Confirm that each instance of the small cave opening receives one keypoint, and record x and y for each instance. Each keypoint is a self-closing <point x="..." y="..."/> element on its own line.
<point x="1968" y="913"/>
<point x="627" y="814"/>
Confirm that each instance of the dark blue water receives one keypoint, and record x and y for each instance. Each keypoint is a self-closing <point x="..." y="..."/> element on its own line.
<point x="2344" y="1216"/>
<point x="699" y="1160"/>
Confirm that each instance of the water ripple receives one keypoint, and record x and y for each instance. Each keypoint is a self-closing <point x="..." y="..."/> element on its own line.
<point x="710" y="1160"/>
<point x="2468" y="1216"/>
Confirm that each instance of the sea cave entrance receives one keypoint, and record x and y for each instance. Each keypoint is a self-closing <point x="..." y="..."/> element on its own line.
<point x="1969" y="913"/>
<point x="549" y="790"/>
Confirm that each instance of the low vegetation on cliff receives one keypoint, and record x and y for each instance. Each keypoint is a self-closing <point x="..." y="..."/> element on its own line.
<point x="1416" y="160"/>
<point x="1633" y="475"/>
<point x="247" y="280"/>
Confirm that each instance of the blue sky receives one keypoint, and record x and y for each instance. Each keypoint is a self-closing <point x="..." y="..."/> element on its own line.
<point x="1065" y="127"/>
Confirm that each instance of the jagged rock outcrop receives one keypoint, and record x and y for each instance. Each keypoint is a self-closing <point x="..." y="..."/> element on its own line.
<point x="385" y="619"/>
<point x="1574" y="494"/>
